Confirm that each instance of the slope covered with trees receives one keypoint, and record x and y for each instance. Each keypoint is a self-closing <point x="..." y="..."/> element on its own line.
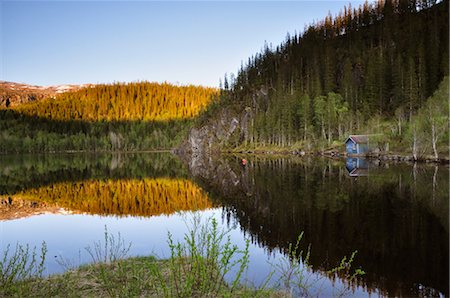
<point x="366" y="70"/>
<point x="134" y="116"/>
<point x="124" y="102"/>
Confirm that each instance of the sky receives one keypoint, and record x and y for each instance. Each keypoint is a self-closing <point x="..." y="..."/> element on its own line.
<point x="181" y="42"/>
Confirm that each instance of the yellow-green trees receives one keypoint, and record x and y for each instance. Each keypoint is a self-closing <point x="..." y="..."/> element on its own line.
<point x="124" y="102"/>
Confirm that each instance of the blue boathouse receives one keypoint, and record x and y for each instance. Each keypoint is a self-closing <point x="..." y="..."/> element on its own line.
<point x="357" y="144"/>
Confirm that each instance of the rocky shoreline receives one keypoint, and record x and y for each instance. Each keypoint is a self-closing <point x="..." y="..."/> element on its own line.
<point x="395" y="157"/>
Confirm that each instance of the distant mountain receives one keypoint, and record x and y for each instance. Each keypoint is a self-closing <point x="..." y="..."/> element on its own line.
<point x="18" y="93"/>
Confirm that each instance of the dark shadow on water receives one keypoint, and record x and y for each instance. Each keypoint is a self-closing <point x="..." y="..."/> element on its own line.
<point x="396" y="217"/>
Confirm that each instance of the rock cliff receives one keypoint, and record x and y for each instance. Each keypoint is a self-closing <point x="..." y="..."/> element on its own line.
<point x="227" y="125"/>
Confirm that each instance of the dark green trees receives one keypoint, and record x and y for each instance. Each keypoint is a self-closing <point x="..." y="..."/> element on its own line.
<point x="383" y="59"/>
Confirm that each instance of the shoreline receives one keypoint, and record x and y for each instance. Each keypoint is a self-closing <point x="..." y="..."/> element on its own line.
<point x="89" y="152"/>
<point x="399" y="157"/>
<point x="333" y="153"/>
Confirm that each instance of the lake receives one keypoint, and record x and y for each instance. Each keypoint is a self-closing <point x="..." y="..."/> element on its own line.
<point x="395" y="215"/>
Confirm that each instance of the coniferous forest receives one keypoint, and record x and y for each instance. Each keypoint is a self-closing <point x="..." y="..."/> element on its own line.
<point x="381" y="68"/>
<point x="370" y="69"/>
<point x="376" y="220"/>
<point x="126" y="117"/>
<point x="123" y="102"/>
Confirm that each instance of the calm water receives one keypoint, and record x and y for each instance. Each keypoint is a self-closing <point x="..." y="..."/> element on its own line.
<point x="395" y="215"/>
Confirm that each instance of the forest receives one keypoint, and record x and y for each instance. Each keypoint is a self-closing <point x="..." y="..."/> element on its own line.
<point x="115" y="117"/>
<point x="378" y="68"/>
<point x="381" y="68"/>
<point x="123" y="102"/>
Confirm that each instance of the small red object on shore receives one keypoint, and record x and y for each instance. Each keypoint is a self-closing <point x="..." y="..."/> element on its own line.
<point x="244" y="162"/>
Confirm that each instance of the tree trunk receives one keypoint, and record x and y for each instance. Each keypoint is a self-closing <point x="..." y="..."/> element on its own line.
<point x="329" y="134"/>
<point x="323" y="130"/>
<point x="306" y="129"/>
<point x="414" y="149"/>
<point x="434" y="140"/>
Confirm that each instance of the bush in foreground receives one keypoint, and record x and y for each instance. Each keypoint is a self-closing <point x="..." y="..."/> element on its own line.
<point x="197" y="267"/>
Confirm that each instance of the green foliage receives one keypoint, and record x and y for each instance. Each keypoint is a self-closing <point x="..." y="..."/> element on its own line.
<point x="354" y="66"/>
<point x="21" y="264"/>
<point x="199" y="265"/>
<point x="117" y="117"/>
<point x="295" y="270"/>
<point x="428" y="131"/>
<point x="20" y="133"/>
<point x="345" y="266"/>
<point x="111" y="250"/>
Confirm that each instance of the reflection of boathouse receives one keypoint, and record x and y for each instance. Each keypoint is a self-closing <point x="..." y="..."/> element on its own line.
<point x="357" y="167"/>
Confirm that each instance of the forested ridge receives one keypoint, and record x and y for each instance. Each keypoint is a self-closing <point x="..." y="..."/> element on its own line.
<point x="107" y="117"/>
<point x="123" y="102"/>
<point x="369" y="69"/>
<point x="381" y="68"/>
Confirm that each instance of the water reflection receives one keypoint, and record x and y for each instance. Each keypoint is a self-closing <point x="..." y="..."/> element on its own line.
<point x="357" y="166"/>
<point x="21" y="172"/>
<point x="396" y="219"/>
<point x="144" y="197"/>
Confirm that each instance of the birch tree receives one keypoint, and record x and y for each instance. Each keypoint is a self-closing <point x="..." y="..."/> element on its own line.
<point x="437" y="115"/>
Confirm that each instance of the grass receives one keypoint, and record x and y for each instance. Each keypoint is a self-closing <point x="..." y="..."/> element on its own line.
<point x="21" y="268"/>
<point x="204" y="264"/>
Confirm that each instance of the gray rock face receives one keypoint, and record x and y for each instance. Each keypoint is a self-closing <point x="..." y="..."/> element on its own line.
<point x="199" y="140"/>
<point x="227" y="127"/>
<point x="219" y="131"/>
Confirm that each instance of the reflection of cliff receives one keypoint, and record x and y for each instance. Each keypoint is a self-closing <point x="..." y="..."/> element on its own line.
<point x="146" y="197"/>
<point x="396" y="219"/>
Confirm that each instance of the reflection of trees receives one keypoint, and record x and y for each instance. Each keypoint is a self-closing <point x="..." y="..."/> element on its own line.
<point x="399" y="230"/>
<point x="146" y="197"/>
<point x="20" y="172"/>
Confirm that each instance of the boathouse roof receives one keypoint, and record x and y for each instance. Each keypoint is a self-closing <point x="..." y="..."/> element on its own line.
<point x="358" y="139"/>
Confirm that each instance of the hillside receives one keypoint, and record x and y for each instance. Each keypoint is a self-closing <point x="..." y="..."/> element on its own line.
<point x="123" y="102"/>
<point x="126" y="117"/>
<point x="370" y="69"/>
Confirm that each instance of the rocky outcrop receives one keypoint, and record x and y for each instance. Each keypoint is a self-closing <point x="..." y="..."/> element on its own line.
<point x="222" y="130"/>
<point x="226" y="127"/>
